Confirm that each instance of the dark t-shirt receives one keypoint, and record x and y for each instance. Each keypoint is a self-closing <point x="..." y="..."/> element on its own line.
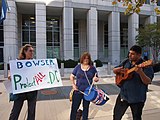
<point x="81" y="80"/>
<point x="133" y="90"/>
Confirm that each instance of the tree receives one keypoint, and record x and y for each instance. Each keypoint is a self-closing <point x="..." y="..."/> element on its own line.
<point x="149" y="36"/>
<point x="135" y="5"/>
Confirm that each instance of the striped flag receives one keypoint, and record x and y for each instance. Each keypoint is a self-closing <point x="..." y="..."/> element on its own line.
<point x="3" y="11"/>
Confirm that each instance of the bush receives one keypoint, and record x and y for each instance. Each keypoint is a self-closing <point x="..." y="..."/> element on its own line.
<point x="59" y="63"/>
<point x="98" y="63"/>
<point x="2" y="67"/>
<point x="70" y="63"/>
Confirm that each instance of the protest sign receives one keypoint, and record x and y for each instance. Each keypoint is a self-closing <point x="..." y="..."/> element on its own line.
<point x="35" y="74"/>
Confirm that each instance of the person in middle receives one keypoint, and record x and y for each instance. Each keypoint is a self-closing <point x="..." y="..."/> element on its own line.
<point x="85" y="74"/>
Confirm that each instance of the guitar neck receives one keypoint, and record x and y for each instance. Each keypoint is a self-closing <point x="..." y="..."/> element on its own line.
<point x="144" y="64"/>
<point x="131" y="70"/>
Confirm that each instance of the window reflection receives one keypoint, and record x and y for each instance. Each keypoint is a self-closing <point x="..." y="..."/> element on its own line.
<point x="124" y="40"/>
<point x="76" y="40"/>
<point x="1" y="42"/>
<point x="105" y="40"/>
<point x="1" y="35"/>
<point x="29" y="31"/>
<point x="53" y="37"/>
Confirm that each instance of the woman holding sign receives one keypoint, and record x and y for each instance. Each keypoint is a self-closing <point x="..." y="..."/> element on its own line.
<point x="26" y="53"/>
<point x="85" y="74"/>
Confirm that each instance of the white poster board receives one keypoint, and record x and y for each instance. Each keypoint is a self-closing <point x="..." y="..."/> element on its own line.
<point x="35" y="74"/>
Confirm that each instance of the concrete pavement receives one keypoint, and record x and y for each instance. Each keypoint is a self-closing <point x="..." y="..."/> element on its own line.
<point x="53" y="104"/>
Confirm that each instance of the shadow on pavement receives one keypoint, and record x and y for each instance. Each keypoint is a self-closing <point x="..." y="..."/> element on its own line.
<point x="63" y="92"/>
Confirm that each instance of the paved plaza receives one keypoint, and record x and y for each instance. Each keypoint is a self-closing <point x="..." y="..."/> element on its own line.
<point x="53" y="104"/>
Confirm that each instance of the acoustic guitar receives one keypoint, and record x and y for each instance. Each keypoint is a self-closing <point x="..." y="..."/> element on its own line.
<point x="120" y="77"/>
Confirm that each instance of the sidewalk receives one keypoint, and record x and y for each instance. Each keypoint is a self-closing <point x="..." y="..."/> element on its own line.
<point x="53" y="104"/>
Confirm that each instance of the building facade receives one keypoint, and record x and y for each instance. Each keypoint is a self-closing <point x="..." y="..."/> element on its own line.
<point x="66" y="28"/>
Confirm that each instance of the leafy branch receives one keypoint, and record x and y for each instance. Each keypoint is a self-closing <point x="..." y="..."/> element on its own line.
<point x="135" y="5"/>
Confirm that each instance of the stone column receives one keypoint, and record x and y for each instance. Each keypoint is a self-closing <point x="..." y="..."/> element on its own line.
<point x="133" y="24"/>
<point x="92" y="27"/>
<point x="151" y="19"/>
<point x="114" y="38"/>
<point x="68" y="30"/>
<point x="10" y="35"/>
<point x="82" y="36"/>
<point x="40" y="9"/>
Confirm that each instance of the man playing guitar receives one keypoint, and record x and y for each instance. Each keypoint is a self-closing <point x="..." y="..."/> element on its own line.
<point x="134" y="87"/>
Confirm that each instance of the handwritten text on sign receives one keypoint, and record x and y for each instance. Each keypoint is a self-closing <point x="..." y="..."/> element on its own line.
<point x="30" y="75"/>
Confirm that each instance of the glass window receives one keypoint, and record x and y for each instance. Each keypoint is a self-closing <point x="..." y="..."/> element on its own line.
<point x="147" y="2"/>
<point x="106" y="40"/>
<point x="1" y="54"/>
<point x="28" y="30"/>
<point x="33" y="36"/>
<point x="49" y="36"/>
<point x="53" y="37"/>
<point x="76" y="40"/>
<point x="25" y="36"/>
<point x="56" y="37"/>
<point x="1" y="35"/>
<point x="76" y="37"/>
<point x="124" y="40"/>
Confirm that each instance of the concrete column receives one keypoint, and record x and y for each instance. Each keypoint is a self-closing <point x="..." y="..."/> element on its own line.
<point x="133" y="24"/>
<point x="82" y="36"/>
<point x="114" y="38"/>
<point x="68" y="30"/>
<point x="151" y="19"/>
<point x="10" y="35"/>
<point x="40" y="9"/>
<point x="92" y="27"/>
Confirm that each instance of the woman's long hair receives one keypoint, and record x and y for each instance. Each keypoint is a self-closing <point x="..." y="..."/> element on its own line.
<point x="22" y="54"/>
<point x="84" y="55"/>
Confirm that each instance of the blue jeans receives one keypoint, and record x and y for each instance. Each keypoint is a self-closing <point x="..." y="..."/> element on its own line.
<point x="121" y="107"/>
<point x="76" y="101"/>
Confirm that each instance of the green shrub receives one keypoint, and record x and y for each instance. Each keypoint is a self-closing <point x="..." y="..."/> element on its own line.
<point x="70" y="63"/>
<point x="98" y="63"/>
<point x="59" y="63"/>
<point x="2" y="67"/>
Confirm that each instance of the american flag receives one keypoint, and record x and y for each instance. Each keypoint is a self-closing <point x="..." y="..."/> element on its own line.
<point x="4" y="10"/>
